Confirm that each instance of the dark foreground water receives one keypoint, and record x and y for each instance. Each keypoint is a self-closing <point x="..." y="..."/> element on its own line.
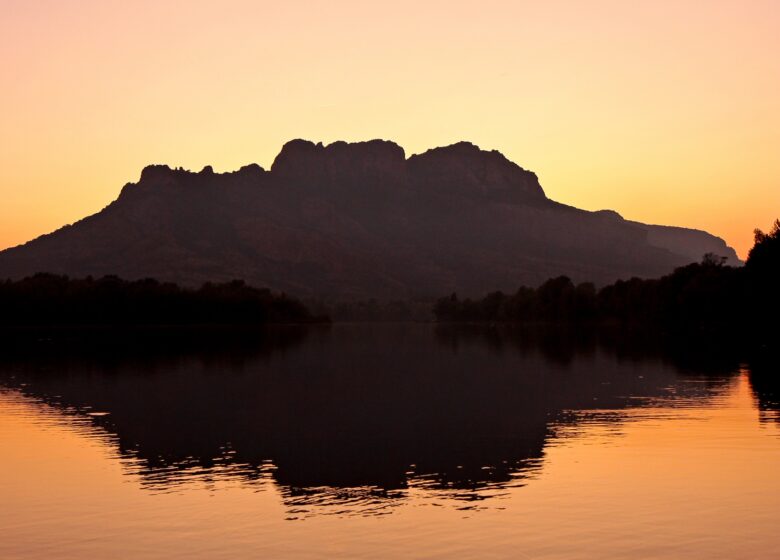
<point x="399" y="441"/>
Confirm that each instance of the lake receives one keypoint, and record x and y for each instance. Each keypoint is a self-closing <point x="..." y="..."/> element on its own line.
<point x="388" y="441"/>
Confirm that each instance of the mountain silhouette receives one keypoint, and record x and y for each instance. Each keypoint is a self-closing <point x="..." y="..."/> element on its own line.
<point x="358" y="220"/>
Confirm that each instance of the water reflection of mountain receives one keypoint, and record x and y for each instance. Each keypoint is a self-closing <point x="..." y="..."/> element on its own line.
<point x="374" y="408"/>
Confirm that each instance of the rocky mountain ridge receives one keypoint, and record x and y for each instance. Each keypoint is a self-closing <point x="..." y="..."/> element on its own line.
<point x="358" y="220"/>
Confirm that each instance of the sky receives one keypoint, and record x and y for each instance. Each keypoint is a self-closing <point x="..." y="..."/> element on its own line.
<point x="666" y="111"/>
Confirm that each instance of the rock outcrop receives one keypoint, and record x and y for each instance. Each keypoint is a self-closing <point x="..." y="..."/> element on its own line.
<point x="355" y="221"/>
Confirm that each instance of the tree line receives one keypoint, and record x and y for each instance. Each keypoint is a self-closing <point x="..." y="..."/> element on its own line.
<point x="707" y="293"/>
<point x="49" y="299"/>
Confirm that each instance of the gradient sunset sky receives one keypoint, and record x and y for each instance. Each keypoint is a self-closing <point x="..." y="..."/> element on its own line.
<point x="666" y="111"/>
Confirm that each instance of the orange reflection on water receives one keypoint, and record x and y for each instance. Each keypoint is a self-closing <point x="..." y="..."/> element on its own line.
<point x="676" y="476"/>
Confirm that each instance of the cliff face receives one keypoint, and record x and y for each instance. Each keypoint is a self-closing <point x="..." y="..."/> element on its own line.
<point x="358" y="220"/>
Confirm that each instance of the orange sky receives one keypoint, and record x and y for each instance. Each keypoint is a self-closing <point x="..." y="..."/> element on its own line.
<point x="666" y="111"/>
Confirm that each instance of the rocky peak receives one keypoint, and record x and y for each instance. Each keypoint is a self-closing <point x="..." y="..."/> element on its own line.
<point x="152" y="178"/>
<point x="251" y="169"/>
<point x="306" y="162"/>
<point x="157" y="174"/>
<point x="465" y="169"/>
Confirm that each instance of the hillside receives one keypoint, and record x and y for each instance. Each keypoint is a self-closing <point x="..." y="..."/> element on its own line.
<point x="358" y="220"/>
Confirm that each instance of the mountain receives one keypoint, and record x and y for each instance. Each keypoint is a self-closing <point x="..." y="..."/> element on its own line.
<point x="358" y="220"/>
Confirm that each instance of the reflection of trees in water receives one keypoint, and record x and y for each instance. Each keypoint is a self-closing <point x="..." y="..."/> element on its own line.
<point x="563" y="343"/>
<point x="765" y="383"/>
<point x="353" y="415"/>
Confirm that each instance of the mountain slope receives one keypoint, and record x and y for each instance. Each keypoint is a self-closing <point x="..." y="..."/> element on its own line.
<point x="358" y="220"/>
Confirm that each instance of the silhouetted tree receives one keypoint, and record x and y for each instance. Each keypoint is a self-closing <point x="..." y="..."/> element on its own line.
<point x="709" y="294"/>
<point x="763" y="279"/>
<point x="48" y="299"/>
<point x="764" y="257"/>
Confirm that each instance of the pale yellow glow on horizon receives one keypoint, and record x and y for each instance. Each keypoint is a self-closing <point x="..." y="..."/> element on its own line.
<point x="664" y="111"/>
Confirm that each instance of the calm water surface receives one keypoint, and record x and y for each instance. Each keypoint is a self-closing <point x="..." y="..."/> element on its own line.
<point x="408" y="441"/>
